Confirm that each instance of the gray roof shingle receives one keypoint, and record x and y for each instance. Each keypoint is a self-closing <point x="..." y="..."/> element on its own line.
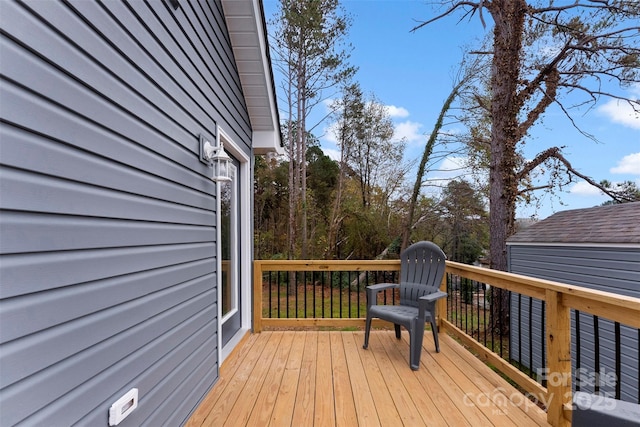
<point x="613" y="224"/>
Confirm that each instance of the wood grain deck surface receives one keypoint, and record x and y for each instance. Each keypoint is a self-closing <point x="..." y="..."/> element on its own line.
<point x="302" y="378"/>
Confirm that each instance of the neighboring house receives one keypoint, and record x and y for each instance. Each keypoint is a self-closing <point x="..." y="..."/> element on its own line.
<point x="598" y="248"/>
<point x="113" y="236"/>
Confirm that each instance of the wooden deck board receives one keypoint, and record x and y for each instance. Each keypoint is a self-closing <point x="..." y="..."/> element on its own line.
<point x="265" y="401"/>
<point x="342" y="390"/>
<point x="328" y="379"/>
<point x="325" y="405"/>
<point x="418" y="391"/>
<point x="401" y="395"/>
<point x="366" y="411"/>
<point x="286" y="397"/>
<point x="479" y="373"/>
<point x="382" y="399"/>
<point x="303" y="410"/>
<point x="244" y="407"/>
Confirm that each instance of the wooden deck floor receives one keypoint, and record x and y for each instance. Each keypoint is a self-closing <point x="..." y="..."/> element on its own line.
<point x="295" y="378"/>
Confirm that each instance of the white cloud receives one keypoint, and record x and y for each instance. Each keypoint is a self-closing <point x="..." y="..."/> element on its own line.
<point x="394" y="111"/>
<point x="331" y="133"/>
<point x="629" y="164"/>
<point x="328" y="104"/>
<point x="332" y="153"/>
<point x="583" y="188"/>
<point x="453" y="164"/>
<point x="619" y="111"/>
<point x="408" y="130"/>
<point x="451" y="167"/>
<point x="549" y="51"/>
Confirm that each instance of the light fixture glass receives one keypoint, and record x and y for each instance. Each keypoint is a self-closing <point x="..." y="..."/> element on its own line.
<point x="221" y="165"/>
<point x="218" y="158"/>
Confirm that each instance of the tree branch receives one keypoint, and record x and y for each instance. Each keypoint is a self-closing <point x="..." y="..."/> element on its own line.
<point x="554" y="152"/>
<point x="593" y="4"/>
<point x="457" y="5"/>
<point x="551" y="81"/>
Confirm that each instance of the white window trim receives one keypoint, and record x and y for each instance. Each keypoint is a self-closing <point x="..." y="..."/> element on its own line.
<point x="233" y="250"/>
<point x="244" y="197"/>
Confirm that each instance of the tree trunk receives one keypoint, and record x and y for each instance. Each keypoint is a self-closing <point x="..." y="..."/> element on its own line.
<point x="291" y="236"/>
<point x="303" y="183"/>
<point x="508" y="16"/>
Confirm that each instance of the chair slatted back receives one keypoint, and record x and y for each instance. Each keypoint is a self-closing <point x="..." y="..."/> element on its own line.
<point x="421" y="271"/>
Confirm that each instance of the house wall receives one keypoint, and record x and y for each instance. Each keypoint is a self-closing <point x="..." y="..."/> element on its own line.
<point x="107" y="221"/>
<point x="612" y="269"/>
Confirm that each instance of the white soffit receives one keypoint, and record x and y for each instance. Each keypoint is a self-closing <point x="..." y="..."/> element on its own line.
<point x="245" y="22"/>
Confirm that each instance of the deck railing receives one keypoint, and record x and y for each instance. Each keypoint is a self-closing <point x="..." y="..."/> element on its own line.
<point x="331" y="293"/>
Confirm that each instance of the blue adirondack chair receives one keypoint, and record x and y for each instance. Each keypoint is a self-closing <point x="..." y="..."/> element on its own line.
<point x="421" y="271"/>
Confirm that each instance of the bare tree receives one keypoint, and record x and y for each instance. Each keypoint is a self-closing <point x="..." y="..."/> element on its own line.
<point x="368" y="156"/>
<point x="373" y="151"/>
<point x="348" y="110"/>
<point x="588" y="44"/>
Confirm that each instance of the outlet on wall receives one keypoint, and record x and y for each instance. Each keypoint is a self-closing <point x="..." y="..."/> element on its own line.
<point x="122" y="407"/>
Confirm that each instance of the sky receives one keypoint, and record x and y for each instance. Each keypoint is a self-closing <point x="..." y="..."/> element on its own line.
<point x="412" y="73"/>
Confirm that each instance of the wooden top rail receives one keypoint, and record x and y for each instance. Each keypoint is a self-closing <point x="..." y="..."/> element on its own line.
<point x="616" y="307"/>
<point x="329" y="265"/>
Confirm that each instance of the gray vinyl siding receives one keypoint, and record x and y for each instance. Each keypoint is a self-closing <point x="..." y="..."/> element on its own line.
<point x="107" y="216"/>
<point x="612" y="269"/>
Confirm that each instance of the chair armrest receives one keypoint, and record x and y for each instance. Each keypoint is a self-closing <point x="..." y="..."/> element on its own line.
<point x="382" y="286"/>
<point x="428" y="303"/>
<point x="372" y="291"/>
<point x="434" y="296"/>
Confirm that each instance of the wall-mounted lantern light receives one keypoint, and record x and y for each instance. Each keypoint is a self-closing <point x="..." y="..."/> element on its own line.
<point x="216" y="157"/>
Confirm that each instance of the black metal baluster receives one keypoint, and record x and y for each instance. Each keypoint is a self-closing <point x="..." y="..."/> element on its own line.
<point x="313" y="289"/>
<point x="270" y="295"/>
<point x="358" y="289"/>
<point x="340" y="293"/>
<point x="296" y="302"/>
<point x="278" y="293"/>
<point x="477" y="317"/>
<point x="618" y="361"/>
<point x="466" y="306"/>
<point x="324" y="284"/>
<point x="448" y="315"/>
<point x="596" y="349"/>
<point x="287" y="292"/>
<point x="501" y="326"/>
<point x="450" y="299"/>
<point x="577" y="380"/>
<point x="519" y="331"/>
<point x="491" y="320"/>
<point x="531" y="337"/>
<point x="543" y="338"/>
<point x="460" y="300"/>
<point x="484" y="313"/>
<point x="348" y="297"/>
<point x="304" y="295"/>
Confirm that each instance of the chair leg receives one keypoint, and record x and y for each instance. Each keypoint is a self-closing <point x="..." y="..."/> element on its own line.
<point x="398" y="333"/>
<point x="434" y="329"/>
<point x="367" y="327"/>
<point x="415" y="338"/>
